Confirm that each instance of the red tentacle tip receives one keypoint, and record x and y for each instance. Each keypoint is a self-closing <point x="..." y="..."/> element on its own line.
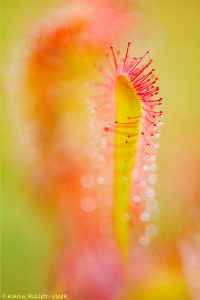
<point x="107" y="128"/>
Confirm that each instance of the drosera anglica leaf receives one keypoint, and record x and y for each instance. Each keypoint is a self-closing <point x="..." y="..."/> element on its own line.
<point x="126" y="136"/>
<point x="128" y="109"/>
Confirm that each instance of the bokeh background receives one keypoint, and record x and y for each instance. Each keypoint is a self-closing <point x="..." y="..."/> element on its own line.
<point x="30" y="235"/>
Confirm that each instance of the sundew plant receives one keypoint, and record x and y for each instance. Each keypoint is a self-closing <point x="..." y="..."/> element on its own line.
<point x="86" y="113"/>
<point x="130" y="106"/>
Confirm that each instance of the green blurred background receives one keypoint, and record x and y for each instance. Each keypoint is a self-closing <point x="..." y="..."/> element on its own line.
<point x="29" y="235"/>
